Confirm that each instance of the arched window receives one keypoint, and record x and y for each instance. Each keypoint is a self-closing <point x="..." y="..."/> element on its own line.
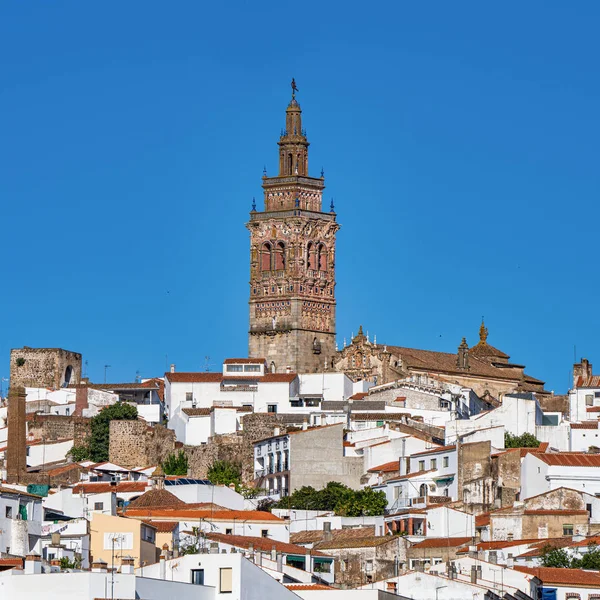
<point x="322" y="258"/>
<point x="423" y="490"/>
<point x="280" y="256"/>
<point x="310" y="256"/>
<point x="272" y="367"/>
<point x="290" y="164"/>
<point x="265" y="257"/>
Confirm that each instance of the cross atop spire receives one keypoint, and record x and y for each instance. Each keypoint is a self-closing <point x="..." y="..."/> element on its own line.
<point x="483" y="332"/>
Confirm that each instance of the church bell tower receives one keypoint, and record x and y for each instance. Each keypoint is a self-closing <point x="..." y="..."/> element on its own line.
<point x="292" y="262"/>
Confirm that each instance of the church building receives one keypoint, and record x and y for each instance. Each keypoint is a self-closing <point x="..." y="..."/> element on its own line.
<point x="292" y="262"/>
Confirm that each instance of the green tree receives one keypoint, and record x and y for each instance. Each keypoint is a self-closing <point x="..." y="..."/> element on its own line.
<point x="556" y="557"/>
<point x="589" y="560"/>
<point x="224" y="472"/>
<point x="527" y="440"/>
<point x="79" y="453"/>
<point x="339" y="498"/>
<point x="176" y="464"/>
<point x="100" y="425"/>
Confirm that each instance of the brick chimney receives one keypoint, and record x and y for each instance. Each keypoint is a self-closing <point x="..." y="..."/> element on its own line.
<point x="16" y="451"/>
<point x="583" y="370"/>
<point x="33" y="564"/>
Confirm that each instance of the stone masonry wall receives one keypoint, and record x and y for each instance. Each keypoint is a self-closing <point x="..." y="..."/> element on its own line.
<point x="57" y="427"/>
<point x="134" y="444"/>
<point x="44" y="367"/>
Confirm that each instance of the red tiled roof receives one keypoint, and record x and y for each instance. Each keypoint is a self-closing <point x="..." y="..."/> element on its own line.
<point x="196" y="412"/>
<point x="591" y="382"/>
<point x="245" y="361"/>
<point x="365" y="542"/>
<point x="593" y="409"/>
<point x="66" y="469"/>
<point x="482" y="520"/>
<point x="443" y="542"/>
<point x="434" y="450"/>
<point x="202" y="377"/>
<point x="566" y="577"/>
<point x="156" y="498"/>
<point x="556" y="512"/>
<point x="316" y="535"/>
<point x="104" y="486"/>
<point x="188" y="512"/>
<point x="10" y="562"/>
<point x="162" y="526"/>
<point x="358" y="396"/>
<point x="411" y="475"/>
<point x="307" y="586"/>
<point x="388" y="467"/>
<point x="260" y="543"/>
<point x="585" y="425"/>
<point x="570" y="459"/>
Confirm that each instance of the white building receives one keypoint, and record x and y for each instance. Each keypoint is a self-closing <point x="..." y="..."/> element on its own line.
<point x="544" y="472"/>
<point x="20" y="521"/>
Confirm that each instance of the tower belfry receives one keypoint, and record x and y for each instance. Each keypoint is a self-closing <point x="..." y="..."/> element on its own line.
<point x="292" y="262"/>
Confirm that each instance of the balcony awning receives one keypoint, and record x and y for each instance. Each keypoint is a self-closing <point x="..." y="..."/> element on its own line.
<point x="446" y="479"/>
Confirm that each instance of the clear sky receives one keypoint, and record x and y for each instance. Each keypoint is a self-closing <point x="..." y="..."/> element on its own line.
<point x="459" y="140"/>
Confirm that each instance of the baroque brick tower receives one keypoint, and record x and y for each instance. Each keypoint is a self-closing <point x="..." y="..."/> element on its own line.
<point x="292" y="262"/>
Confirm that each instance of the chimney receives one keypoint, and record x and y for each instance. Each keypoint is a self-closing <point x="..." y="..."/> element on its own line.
<point x="462" y="361"/>
<point x="273" y="554"/>
<point x="55" y="539"/>
<point x="127" y="565"/>
<point x="583" y="370"/>
<point x="279" y="562"/>
<point x="55" y="563"/>
<point x="493" y="557"/>
<point x="162" y="571"/>
<point x="304" y="425"/>
<point x="288" y="369"/>
<point x="473" y="574"/>
<point x="33" y="564"/>
<point x="258" y="558"/>
<point x="327" y="536"/>
<point x="173" y="368"/>
<point x="308" y="562"/>
<point x="16" y="451"/>
<point x="81" y="399"/>
<point x="276" y="431"/>
<point x="214" y="548"/>
<point x="99" y="566"/>
<point x="510" y="561"/>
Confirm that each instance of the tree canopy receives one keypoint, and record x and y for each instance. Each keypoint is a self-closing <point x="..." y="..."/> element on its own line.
<point x="559" y="557"/>
<point x="339" y="498"/>
<point x="526" y="440"/>
<point x="97" y="447"/>
<point x="223" y="472"/>
<point x="176" y="464"/>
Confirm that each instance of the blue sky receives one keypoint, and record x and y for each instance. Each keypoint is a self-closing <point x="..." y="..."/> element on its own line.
<point x="459" y="140"/>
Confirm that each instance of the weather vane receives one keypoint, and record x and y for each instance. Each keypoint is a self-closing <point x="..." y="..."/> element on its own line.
<point x="294" y="88"/>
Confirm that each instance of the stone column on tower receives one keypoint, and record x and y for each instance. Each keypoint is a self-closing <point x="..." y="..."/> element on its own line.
<point x="16" y="446"/>
<point x="292" y="262"/>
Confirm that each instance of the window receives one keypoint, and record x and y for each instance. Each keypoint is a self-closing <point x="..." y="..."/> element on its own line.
<point x="148" y="534"/>
<point x="588" y="507"/>
<point x="343" y="565"/>
<point x="272" y="408"/>
<point x="589" y="399"/>
<point x="252" y="368"/>
<point x="67" y="412"/>
<point x="98" y="505"/>
<point x="421" y="465"/>
<point x="9" y="513"/>
<point x="446" y="461"/>
<point x="229" y="532"/>
<point x="369" y="566"/>
<point x="198" y="576"/>
<point x="264" y="533"/>
<point x="225" y="580"/>
<point x="235" y="368"/>
<point x="379" y="423"/>
<point x="433" y="463"/>
<point x="189" y="396"/>
<point x="567" y="529"/>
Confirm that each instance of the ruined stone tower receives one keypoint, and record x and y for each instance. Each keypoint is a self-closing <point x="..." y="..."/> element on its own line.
<point x="292" y="262"/>
<point x="16" y="447"/>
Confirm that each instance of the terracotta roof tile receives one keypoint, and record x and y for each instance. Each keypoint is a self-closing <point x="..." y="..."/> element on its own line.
<point x="411" y="475"/>
<point x="245" y="361"/>
<point x="188" y="512"/>
<point x="376" y="416"/>
<point x="196" y="412"/>
<point x="162" y="526"/>
<point x="366" y="542"/>
<point x="307" y="586"/>
<point x="570" y="459"/>
<point x="388" y="467"/>
<point x="434" y="450"/>
<point x="443" y="542"/>
<point x="260" y="543"/>
<point x="104" y="486"/>
<point x="158" y="498"/>
<point x="482" y="520"/>
<point x="566" y="577"/>
<point x="202" y="377"/>
<point x="316" y="535"/>
<point x="589" y="382"/>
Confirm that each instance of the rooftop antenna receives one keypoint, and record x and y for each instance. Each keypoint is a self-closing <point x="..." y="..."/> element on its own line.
<point x="85" y="368"/>
<point x="105" y="368"/>
<point x="138" y="377"/>
<point x="207" y="364"/>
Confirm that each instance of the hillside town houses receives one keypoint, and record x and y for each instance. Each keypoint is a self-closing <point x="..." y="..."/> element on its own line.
<point x="359" y="469"/>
